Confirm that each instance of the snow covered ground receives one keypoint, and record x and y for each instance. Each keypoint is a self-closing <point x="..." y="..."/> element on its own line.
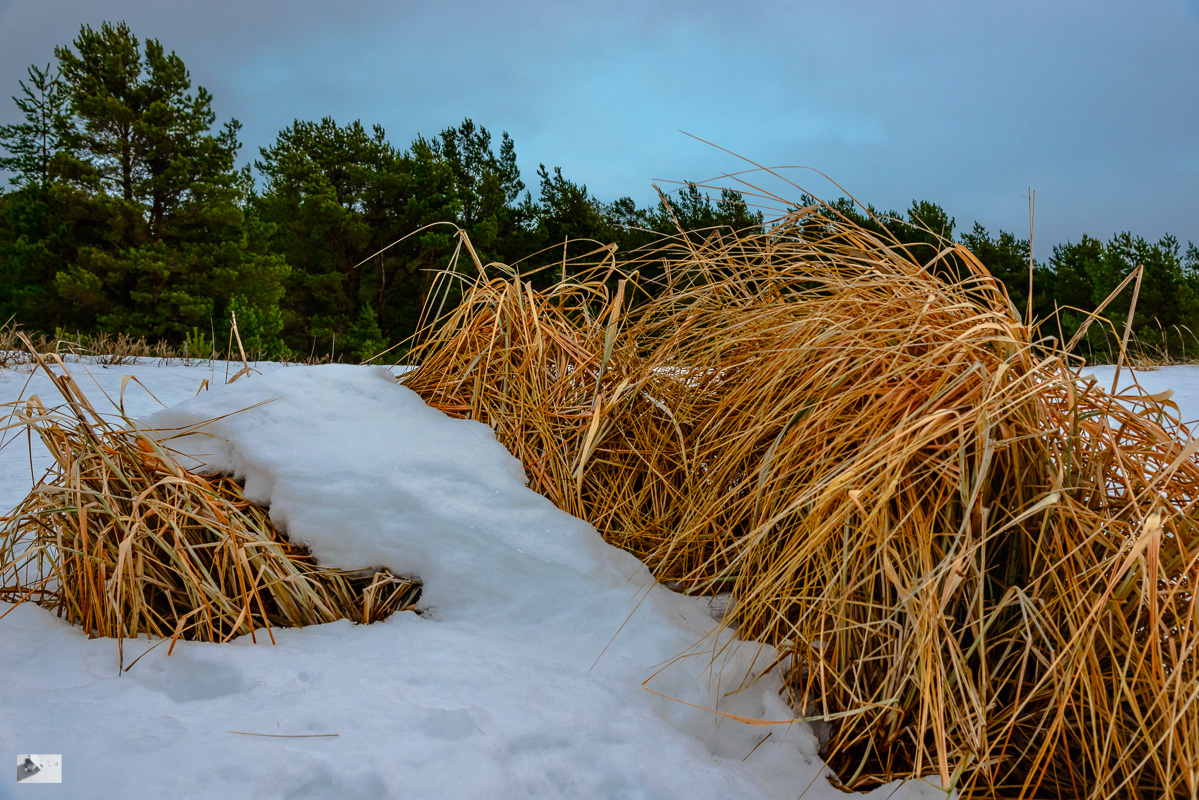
<point x="1182" y="381"/>
<point x="545" y="663"/>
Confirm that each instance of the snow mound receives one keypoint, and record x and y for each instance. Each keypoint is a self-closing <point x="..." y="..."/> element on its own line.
<point x="523" y="677"/>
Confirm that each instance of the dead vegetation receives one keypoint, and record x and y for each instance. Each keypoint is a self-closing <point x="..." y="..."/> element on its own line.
<point x="119" y="349"/>
<point x="121" y="540"/>
<point x="982" y="565"/>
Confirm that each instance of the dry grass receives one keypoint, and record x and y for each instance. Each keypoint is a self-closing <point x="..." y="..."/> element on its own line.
<point x="18" y="347"/>
<point x="107" y="349"/>
<point x="982" y="567"/>
<point x="13" y="351"/>
<point x="120" y="539"/>
<point x="1172" y="351"/>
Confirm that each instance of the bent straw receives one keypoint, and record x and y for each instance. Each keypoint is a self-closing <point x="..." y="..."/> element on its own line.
<point x="903" y="487"/>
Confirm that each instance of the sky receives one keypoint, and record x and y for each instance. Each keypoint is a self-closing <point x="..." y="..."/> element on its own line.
<point x="1094" y="106"/>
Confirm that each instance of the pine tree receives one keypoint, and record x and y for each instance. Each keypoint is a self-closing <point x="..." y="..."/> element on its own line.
<point x="487" y="186"/>
<point x="1075" y="265"/>
<point x="137" y="133"/>
<point x="33" y="241"/>
<point x="364" y="339"/>
<point x="162" y="245"/>
<point x="337" y="194"/>
<point x="566" y="211"/>
<point x="319" y="178"/>
<point x="32" y="144"/>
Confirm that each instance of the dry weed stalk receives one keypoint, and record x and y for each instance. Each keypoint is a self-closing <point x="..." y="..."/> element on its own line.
<point x="982" y="565"/>
<point x="120" y="539"/>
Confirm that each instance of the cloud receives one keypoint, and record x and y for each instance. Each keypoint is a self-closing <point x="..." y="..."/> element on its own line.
<point x="1093" y="104"/>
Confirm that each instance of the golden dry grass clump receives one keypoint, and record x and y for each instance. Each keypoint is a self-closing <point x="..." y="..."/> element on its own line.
<point x="120" y="539"/>
<point x="981" y="563"/>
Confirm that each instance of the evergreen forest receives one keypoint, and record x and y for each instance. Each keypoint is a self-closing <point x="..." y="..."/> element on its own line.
<point x="126" y="213"/>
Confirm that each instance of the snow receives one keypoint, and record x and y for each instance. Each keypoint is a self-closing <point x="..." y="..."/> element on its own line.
<point x="544" y="663"/>
<point x="1183" y="381"/>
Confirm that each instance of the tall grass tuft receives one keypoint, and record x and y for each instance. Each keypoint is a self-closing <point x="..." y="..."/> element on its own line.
<point x="981" y="564"/>
<point x="122" y="540"/>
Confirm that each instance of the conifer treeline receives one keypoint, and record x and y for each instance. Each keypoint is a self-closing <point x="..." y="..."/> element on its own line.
<point x="128" y="214"/>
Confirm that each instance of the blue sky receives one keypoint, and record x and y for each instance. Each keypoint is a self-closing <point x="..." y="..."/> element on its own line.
<point x="1095" y="105"/>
